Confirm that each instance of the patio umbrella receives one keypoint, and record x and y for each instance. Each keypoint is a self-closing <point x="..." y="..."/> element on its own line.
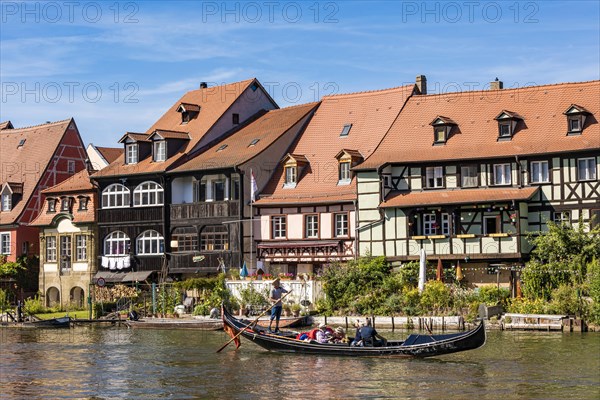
<point x="440" y="271"/>
<point x="459" y="274"/>
<point x="422" y="264"/>
<point x="244" y="271"/>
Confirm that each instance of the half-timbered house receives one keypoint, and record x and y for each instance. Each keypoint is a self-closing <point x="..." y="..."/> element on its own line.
<point x="31" y="160"/>
<point x="466" y="176"/>
<point x="306" y="213"/>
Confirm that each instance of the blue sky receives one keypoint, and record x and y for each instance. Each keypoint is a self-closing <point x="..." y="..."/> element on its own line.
<point x="117" y="66"/>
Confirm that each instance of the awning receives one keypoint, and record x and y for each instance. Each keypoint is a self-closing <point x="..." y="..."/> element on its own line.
<point x="300" y="243"/>
<point x="115" y="277"/>
<point x="459" y="196"/>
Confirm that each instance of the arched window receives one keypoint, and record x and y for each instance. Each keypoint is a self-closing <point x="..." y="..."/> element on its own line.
<point x="115" y="195"/>
<point x="148" y="194"/>
<point x="214" y="238"/>
<point x="116" y="243"/>
<point x="150" y="242"/>
<point x="186" y="238"/>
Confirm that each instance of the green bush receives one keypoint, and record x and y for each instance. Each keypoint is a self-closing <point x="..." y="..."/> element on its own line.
<point x="202" y="309"/>
<point x="34" y="305"/>
<point x="527" y="306"/>
<point x="4" y="303"/>
<point x="492" y="295"/>
<point x="436" y="296"/>
<point x="249" y="296"/>
<point x="565" y="300"/>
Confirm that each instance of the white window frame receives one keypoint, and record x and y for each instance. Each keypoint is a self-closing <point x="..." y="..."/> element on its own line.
<point x="439" y="134"/>
<point x="291" y="175"/>
<point x="148" y="193"/>
<point x="279" y="227"/>
<point x="70" y="166"/>
<point x="505" y="176"/>
<point x="429" y="224"/>
<point x="6" y="201"/>
<point x="81" y="247"/>
<point x="562" y="217"/>
<point x="537" y="171"/>
<point x="311" y="223"/>
<point x="469" y="178"/>
<point x="434" y="177"/>
<point x="114" y="194"/>
<point x="445" y="225"/>
<point x="116" y="243"/>
<point x="150" y="242"/>
<point x="51" y="250"/>
<point x="160" y="150"/>
<point x="589" y="169"/>
<point x="344" y="172"/>
<point x="341" y="227"/>
<point x="5" y="243"/>
<point x="131" y="153"/>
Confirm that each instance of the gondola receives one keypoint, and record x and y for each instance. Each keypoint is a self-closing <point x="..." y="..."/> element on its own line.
<point x="415" y="345"/>
<point x="61" y="322"/>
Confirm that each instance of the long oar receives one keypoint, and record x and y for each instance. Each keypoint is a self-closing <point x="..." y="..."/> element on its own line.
<point x="253" y="322"/>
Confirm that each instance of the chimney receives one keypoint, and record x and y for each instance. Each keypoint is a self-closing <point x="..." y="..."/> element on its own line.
<point x="203" y="85"/>
<point x="422" y="84"/>
<point x="496" y="84"/>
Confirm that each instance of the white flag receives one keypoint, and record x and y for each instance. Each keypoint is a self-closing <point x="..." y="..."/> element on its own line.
<point x="253" y="187"/>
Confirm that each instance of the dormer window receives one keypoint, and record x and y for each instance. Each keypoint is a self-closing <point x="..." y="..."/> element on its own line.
<point x="442" y="127"/>
<point x="83" y="203"/>
<point x="291" y="175"/>
<point x="507" y="124"/>
<point x="344" y="172"/>
<point x="131" y="153"/>
<point x="346" y="160"/>
<point x="65" y="204"/>
<point x="160" y="150"/>
<point x="51" y="205"/>
<point x="21" y="143"/>
<point x="188" y="112"/>
<point x="293" y="165"/>
<point x="235" y="118"/>
<point x="6" y="201"/>
<point x="346" y="130"/>
<point x="576" y="116"/>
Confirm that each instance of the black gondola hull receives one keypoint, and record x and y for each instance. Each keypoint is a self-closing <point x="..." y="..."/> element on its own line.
<point x="422" y="346"/>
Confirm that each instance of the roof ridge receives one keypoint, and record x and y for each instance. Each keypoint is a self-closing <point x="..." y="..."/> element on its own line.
<point x="493" y="91"/>
<point x="242" y="82"/>
<point x="40" y="125"/>
<point x="367" y="92"/>
<point x="311" y="104"/>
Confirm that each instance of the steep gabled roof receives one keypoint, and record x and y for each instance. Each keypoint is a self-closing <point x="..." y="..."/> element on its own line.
<point x="80" y="182"/>
<point x="213" y="101"/>
<point x="250" y="140"/>
<point x="541" y="108"/>
<point x="27" y="163"/>
<point x="371" y="115"/>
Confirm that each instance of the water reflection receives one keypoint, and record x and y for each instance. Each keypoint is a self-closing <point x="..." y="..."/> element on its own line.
<point x="91" y="362"/>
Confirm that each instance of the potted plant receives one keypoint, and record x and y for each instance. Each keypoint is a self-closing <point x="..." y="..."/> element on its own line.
<point x="295" y="308"/>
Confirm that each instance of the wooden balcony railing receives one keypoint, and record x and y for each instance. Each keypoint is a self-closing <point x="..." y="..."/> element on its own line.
<point x="205" y="210"/>
<point x="133" y="214"/>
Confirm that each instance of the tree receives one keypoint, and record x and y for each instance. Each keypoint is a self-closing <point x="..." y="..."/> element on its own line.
<point x="559" y="257"/>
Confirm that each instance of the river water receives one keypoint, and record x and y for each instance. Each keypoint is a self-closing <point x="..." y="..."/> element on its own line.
<point x="111" y="363"/>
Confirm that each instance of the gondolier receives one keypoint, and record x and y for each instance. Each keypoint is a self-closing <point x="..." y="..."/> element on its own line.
<point x="275" y="298"/>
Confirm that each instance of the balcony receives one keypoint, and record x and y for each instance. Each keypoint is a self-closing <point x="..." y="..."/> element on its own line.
<point x="183" y="263"/>
<point x="133" y="214"/>
<point x="196" y="211"/>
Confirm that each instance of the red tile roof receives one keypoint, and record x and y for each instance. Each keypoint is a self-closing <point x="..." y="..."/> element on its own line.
<point x="110" y="154"/>
<point x="267" y="128"/>
<point x="476" y="136"/>
<point x="214" y="101"/>
<point x="40" y="143"/>
<point x="78" y="184"/>
<point x="371" y="115"/>
<point x="460" y="196"/>
<point x="6" y="125"/>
